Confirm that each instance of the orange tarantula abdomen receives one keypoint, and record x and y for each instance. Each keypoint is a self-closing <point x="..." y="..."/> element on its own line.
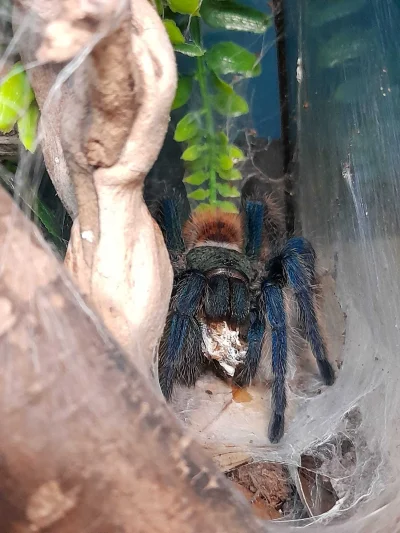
<point x="214" y="227"/>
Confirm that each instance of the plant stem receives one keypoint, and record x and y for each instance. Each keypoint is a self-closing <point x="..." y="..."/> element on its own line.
<point x="210" y="128"/>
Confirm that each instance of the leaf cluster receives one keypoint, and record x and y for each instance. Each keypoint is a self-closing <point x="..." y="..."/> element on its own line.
<point x="18" y="106"/>
<point x="209" y="156"/>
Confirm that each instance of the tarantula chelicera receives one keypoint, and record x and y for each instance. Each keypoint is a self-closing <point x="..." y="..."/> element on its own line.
<point x="237" y="270"/>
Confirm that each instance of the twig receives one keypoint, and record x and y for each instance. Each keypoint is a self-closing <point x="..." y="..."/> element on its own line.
<point x="9" y="146"/>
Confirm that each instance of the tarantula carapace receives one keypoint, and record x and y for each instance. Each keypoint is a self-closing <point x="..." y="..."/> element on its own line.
<point x="237" y="269"/>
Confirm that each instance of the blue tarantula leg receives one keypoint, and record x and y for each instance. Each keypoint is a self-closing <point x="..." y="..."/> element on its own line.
<point x="247" y="371"/>
<point x="171" y="225"/>
<point x="216" y="301"/>
<point x="298" y="257"/>
<point x="276" y="316"/>
<point x="254" y="220"/>
<point x="181" y="358"/>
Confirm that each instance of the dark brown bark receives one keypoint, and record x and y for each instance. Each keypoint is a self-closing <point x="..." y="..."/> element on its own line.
<point x="86" y="444"/>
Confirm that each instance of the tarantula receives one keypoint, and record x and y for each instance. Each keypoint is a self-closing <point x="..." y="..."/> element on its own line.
<point x="237" y="269"/>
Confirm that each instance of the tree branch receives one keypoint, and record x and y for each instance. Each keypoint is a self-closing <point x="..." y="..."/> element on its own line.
<point x="9" y="146"/>
<point x="121" y="89"/>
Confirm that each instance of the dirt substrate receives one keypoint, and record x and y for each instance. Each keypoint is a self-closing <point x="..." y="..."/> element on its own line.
<point x="265" y="485"/>
<point x="274" y="494"/>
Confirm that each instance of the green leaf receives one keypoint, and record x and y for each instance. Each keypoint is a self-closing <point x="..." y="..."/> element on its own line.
<point x="353" y="91"/>
<point x="218" y="149"/>
<point x="15" y="97"/>
<point x="160" y="7"/>
<point x="232" y="174"/>
<point x="228" y="207"/>
<point x="27" y="127"/>
<point x="174" y="33"/>
<point x="220" y="85"/>
<point x="186" y="128"/>
<point x="197" y="139"/>
<point x="228" y="191"/>
<point x="231" y="106"/>
<point x="222" y="138"/>
<point x="186" y="7"/>
<point x="192" y="153"/>
<point x="319" y="13"/>
<point x="199" y="194"/>
<point x="203" y="207"/>
<point x="38" y="209"/>
<point x="350" y="90"/>
<point x="226" y="101"/>
<point x="49" y="221"/>
<point x="199" y="164"/>
<point x="189" y="49"/>
<point x="230" y="58"/>
<point x="236" y="153"/>
<point x="344" y="46"/>
<point x="197" y="178"/>
<point x="232" y="16"/>
<point x="225" y="162"/>
<point x="183" y="91"/>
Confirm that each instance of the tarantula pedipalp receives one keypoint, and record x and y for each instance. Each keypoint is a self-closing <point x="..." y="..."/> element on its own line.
<point x="234" y="269"/>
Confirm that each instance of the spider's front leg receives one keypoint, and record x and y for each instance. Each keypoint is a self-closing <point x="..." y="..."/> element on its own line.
<point x="180" y="352"/>
<point x="294" y="268"/>
<point x="270" y="310"/>
<point x="273" y="304"/>
<point x="247" y="371"/>
<point x="298" y="260"/>
<point x="180" y="355"/>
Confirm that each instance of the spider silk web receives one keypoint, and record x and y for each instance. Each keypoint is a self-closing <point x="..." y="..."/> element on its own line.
<point x="344" y="98"/>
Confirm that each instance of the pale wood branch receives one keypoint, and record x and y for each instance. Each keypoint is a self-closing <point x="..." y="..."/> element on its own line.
<point x="110" y="122"/>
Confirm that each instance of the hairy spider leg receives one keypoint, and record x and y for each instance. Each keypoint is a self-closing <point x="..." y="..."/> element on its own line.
<point x="298" y="261"/>
<point x="181" y="359"/>
<point x="254" y="219"/>
<point x="295" y="267"/>
<point x="271" y="307"/>
<point x="264" y="221"/>
<point x="256" y="216"/>
<point x="247" y="371"/>
<point x="171" y="225"/>
<point x="274" y="307"/>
